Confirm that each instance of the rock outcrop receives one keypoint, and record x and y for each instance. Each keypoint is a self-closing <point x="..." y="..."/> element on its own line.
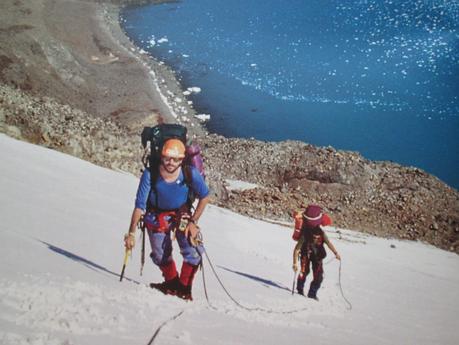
<point x="382" y="198"/>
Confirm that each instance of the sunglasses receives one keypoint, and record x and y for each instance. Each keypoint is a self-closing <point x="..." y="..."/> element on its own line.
<point x="172" y="159"/>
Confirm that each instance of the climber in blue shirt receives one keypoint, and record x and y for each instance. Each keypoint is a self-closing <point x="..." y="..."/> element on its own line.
<point x="166" y="208"/>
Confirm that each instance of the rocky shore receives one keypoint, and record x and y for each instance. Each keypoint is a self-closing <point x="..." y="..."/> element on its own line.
<point x="70" y="80"/>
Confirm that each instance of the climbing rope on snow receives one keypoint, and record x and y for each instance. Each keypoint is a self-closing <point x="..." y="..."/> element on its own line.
<point x="349" y="305"/>
<point x="162" y="325"/>
<point x="265" y="310"/>
<point x="241" y="305"/>
<point x="205" y="286"/>
<point x="341" y="288"/>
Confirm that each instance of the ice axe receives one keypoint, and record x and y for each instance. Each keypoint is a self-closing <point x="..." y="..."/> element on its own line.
<point x="294" y="273"/>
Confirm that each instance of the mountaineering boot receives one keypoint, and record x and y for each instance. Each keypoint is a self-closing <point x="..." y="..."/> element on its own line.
<point x="184" y="292"/>
<point x="187" y="274"/>
<point x="168" y="287"/>
<point x="313" y="296"/>
<point x="171" y="280"/>
<point x="314" y="287"/>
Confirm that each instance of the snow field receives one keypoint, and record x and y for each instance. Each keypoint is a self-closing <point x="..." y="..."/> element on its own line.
<point x="63" y="221"/>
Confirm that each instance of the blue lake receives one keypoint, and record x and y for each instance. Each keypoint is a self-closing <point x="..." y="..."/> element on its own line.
<point x="377" y="77"/>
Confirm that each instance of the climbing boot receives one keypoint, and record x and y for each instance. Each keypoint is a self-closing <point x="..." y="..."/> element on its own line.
<point x="184" y="292"/>
<point x="313" y="296"/>
<point x="168" y="287"/>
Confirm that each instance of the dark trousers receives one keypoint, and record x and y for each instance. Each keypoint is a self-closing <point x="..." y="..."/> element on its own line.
<point x="317" y="275"/>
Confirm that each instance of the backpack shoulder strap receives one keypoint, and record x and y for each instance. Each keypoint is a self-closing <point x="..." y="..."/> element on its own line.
<point x="188" y="175"/>
<point x="188" y="179"/>
<point x="154" y="173"/>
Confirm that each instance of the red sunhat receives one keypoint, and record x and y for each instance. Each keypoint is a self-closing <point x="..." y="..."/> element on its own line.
<point x="313" y="216"/>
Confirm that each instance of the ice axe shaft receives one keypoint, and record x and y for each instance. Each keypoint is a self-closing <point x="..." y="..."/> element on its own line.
<point x="126" y="255"/>
<point x="294" y="280"/>
<point x="142" y="256"/>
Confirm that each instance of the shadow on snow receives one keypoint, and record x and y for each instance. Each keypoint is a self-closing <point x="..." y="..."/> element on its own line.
<point x="266" y="282"/>
<point x="85" y="262"/>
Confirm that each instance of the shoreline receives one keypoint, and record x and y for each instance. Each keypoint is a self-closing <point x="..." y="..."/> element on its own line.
<point x="369" y="127"/>
<point x="163" y="79"/>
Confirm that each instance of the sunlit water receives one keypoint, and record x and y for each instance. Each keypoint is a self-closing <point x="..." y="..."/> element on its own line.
<point x="379" y="77"/>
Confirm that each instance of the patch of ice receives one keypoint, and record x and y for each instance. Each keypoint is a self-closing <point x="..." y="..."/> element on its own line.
<point x="194" y="89"/>
<point x="202" y="117"/>
<point x="239" y="185"/>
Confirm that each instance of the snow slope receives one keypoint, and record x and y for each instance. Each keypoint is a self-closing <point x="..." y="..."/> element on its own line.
<point x="61" y="251"/>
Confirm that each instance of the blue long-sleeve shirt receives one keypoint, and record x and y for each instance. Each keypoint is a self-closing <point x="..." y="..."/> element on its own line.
<point x="171" y="195"/>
